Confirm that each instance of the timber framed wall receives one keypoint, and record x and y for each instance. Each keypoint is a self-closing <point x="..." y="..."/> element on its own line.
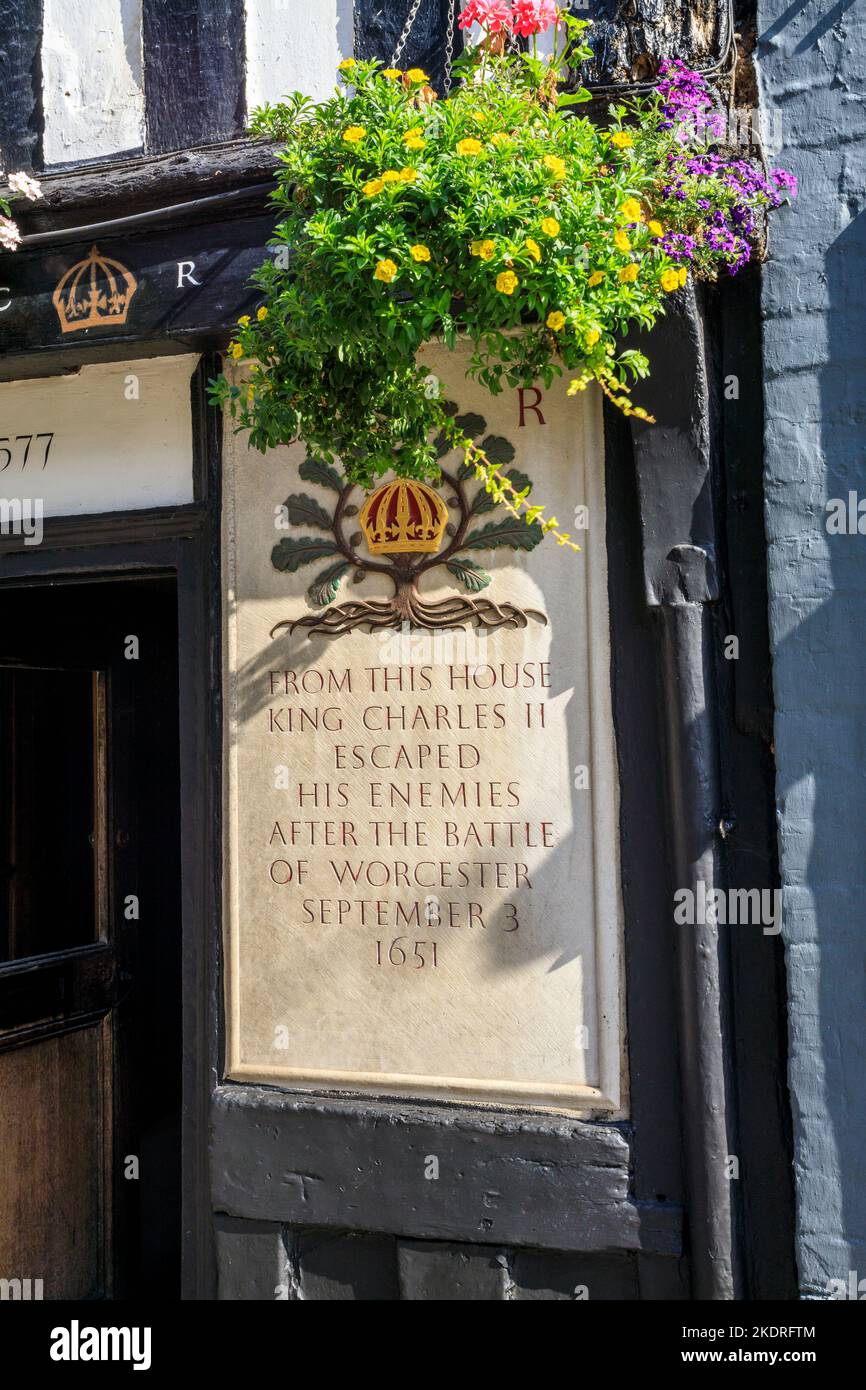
<point x="316" y="1196"/>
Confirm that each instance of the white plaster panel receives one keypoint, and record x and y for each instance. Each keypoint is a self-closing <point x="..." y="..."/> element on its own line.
<point x="295" y="45"/>
<point x="121" y="437"/>
<point x="92" y="89"/>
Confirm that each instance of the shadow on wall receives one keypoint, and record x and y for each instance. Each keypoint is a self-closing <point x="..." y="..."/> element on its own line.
<point x="820" y="686"/>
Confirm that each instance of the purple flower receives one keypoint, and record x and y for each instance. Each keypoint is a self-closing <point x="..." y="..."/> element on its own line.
<point x="743" y="219"/>
<point x="782" y="179"/>
<point x="682" y="91"/>
<point x="734" y="250"/>
<point x="728" y="195"/>
<point x="678" y="245"/>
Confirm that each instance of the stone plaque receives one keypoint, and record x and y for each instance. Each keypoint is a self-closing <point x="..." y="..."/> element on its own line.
<point x="422" y="858"/>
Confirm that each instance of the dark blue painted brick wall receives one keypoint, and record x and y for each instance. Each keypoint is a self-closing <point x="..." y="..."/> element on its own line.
<point x="811" y="61"/>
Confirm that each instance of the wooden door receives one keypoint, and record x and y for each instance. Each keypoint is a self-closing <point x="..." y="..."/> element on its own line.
<point x="89" y="941"/>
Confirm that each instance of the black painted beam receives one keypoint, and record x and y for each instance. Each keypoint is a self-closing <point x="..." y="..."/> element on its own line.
<point x="628" y="41"/>
<point x="127" y="187"/>
<point x="379" y="24"/>
<point x="678" y="524"/>
<point x="20" y="84"/>
<point x="560" y="1184"/>
<point x="193" y="72"/>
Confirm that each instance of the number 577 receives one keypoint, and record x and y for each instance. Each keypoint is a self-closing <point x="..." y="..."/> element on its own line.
<point x="8" y="449"/>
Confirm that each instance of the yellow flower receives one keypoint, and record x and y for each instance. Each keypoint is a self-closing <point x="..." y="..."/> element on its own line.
<point x="235" y="350"/>
<point x="555" y="165"/>
<point x="621" y="241"/>
<point x="251" y="391"/>
<point x="408" y="175"/>
<point x="631" y="210"/>
<point x="243" y="320"/>
<point x="417" y="75"/>
<point x="469" y="146"/>
<point x="670" y="280"/>
<point x="628" y="274"/>
<point x="392" y="72"/>
<point x="346" y="65"/>
<point x="655" y="228"/>
<point x="353" y="133"/>
<point x="499" y="137"/>
<point x="262" y="312"/>
<point x="595" y="278"/>
<point x="592" y="337"/>
<point x="555" y="320"/>
<point x="550" y="226"/>
<point x="533" y="248"/>
<point x="622" y="140"/>
<point x="684" y="274"/>
<point x="419" y="252"/>
<point x="391" y="176"/>
<point x="415" y="143"/>
<point x="385" y="270"/>
<point x="506" y="282"/>
<point x="484" y="249"/>
<point x="372" y="187"/>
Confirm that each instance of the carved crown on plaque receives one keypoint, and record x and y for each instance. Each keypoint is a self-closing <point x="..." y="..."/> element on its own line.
<point x="94" y="293"/>
<point x="403" y="517"/>
<point x="416" y="530"/>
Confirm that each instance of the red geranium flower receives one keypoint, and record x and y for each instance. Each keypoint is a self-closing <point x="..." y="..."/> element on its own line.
<point x="533" y="16"/>
<point x="494" y="15"/>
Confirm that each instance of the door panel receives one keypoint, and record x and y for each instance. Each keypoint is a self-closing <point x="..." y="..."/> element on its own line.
<point x="56" y="1140"/>
<point x="90" y="939"/>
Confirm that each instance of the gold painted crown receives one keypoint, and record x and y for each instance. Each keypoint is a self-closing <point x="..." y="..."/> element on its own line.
<point x="403" y="516"/>
<point x="94" y="292"/>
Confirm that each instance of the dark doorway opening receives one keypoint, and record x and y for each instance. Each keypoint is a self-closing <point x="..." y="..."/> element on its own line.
<point x="90" y="938"/>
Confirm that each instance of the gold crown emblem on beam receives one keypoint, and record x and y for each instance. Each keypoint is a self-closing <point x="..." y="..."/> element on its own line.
<point x="402" y="517"/>
<point x="94" y="292"/>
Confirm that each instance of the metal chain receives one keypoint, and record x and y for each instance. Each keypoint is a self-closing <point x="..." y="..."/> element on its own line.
<point x="449" y="47"/>
<point x="407" y="28"/>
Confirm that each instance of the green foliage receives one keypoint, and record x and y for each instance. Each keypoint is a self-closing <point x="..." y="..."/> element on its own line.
<point x="306" y="511"/>
<point x="289" y="554"/>
<point x="314" y="470"/>
<point x="472" y="576"/>
<point x="484" y="501"/>
<point x="323" y="589"/>
<point x="497" y="216"/>
<point x="511" y="531"/>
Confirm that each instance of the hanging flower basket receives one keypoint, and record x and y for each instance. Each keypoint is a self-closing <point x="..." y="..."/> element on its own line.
<point x="497" y="215"/>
